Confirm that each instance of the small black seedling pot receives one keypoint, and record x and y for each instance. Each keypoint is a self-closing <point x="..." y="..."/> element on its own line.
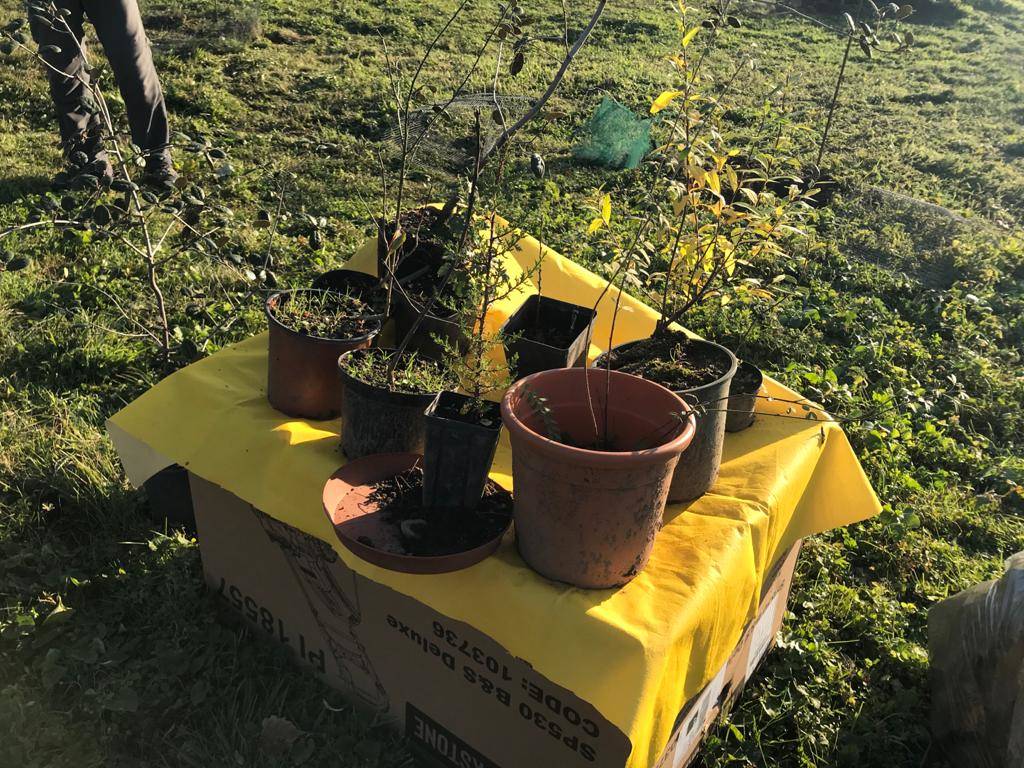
<point x="462" y="435"/>
<point x="546" y="333"/>
<point x="743" y="397"/>
<point x="423" y="340"/>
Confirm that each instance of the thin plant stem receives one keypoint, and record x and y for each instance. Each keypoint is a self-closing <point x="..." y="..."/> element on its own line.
<point x="835" y="100"/>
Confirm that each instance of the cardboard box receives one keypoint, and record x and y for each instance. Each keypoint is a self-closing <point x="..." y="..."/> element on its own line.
<point x="702" y="710"/>
<point x="460" y="698"/>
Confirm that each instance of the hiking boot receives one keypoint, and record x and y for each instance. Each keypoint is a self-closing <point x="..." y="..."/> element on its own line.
<point x="86" y="165"/>
<point x="159" y="173"/>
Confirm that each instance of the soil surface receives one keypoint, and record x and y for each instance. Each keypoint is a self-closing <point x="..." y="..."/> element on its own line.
<point x="556" y="326"/>
<point x="325" y="314"/>
<point x="427" y="532"/>
<point x="745" y="382"/>
<point x="559" y="337"/>
<point x="672" y="360"/>
<point x="469" y="410"/>
<point x="421" y="288"/>
<point x="364" y="287"/>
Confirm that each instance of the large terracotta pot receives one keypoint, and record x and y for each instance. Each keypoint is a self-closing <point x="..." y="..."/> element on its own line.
<point x="583" y="516"/>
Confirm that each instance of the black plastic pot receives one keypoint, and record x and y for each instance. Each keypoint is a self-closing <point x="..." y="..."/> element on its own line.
<point x="376" y="420"/>
<point x="459" y="450"/>
<point x="359" y="284"/>
<point x="743" y="397"/>
<point x="423" y="341"/>
<point x="550" y="314"/>
<point x="302" y="370"/>
<point x="699" y="464"/>
<point x="170" y="498"/>
<point x="424" y="233"/>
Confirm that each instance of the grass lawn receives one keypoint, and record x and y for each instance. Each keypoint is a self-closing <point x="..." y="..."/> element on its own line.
<point x="111" y="653"/>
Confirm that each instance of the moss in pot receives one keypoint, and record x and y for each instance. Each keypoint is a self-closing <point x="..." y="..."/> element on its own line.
<point x="309" y="329"/>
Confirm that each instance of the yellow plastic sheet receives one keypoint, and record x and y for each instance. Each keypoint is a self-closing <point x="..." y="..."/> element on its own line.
<point x="636" y="653"/>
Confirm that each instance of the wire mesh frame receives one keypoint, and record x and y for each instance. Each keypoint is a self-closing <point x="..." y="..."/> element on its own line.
<point x="442" y="135"/>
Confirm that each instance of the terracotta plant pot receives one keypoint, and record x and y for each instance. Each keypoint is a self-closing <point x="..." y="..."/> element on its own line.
<point x="376" y="420"/>
<point x="364" y="529"/>
<point x="461" y="437"/>
<point x="743" y="397"/>
<point x="302" y="370"/>
<point x="698" y="467"/>
<point x="566" y="327"/>
<point x="589" y="517"/>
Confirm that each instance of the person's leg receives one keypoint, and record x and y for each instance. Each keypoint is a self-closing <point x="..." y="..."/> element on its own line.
<point x="67" y="76"/>
<point x="119" y="27"/>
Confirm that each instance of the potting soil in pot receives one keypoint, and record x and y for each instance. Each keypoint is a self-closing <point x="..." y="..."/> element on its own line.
<point x="672" y="360"/>
<point x="746" y="381"/>
<point x="400" y="502"/>
<point x="421" y="289"/>
<point x="325" y="314"/>
<point x="538" y="330"/>
<point x="413" y="374"/>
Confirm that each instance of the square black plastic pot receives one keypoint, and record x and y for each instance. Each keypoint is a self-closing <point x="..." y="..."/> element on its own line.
<point x="459" y="450"/>
<point x="543" y="312"/>
<point x="431" y="327"/>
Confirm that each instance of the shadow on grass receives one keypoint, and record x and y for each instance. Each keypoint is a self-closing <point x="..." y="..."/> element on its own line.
<point x="15" y="188"/>
<point x="138" y="665"/>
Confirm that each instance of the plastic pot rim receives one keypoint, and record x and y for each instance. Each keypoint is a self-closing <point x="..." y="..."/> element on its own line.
<point x="733" y="364"/>
<point x="760" y="379"/>
<point x="421" y="399"/>
<point x="431" y="411"/>
<point x="508" y="338"/>
<point x="273" y="321"/>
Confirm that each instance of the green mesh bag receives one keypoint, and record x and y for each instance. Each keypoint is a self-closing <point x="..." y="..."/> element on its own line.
<point x="614" y="137"/>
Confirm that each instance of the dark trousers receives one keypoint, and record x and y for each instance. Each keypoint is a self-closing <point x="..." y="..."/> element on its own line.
<point x="119" y="27"/>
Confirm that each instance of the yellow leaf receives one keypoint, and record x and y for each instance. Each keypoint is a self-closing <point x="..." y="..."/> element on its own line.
<point x="595" y="225"/>
<point x="730" y="264"/>
<point x="696" y="173"/>
<point x="731" y="175"/>
<point x="606" y="208"/>
<point x="713" y="183"/>
<point x="664" y="99"/>
<point x="688" y="37"/>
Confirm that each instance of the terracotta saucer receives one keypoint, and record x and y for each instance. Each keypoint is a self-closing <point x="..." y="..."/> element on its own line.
<point x="361" y="528"/>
